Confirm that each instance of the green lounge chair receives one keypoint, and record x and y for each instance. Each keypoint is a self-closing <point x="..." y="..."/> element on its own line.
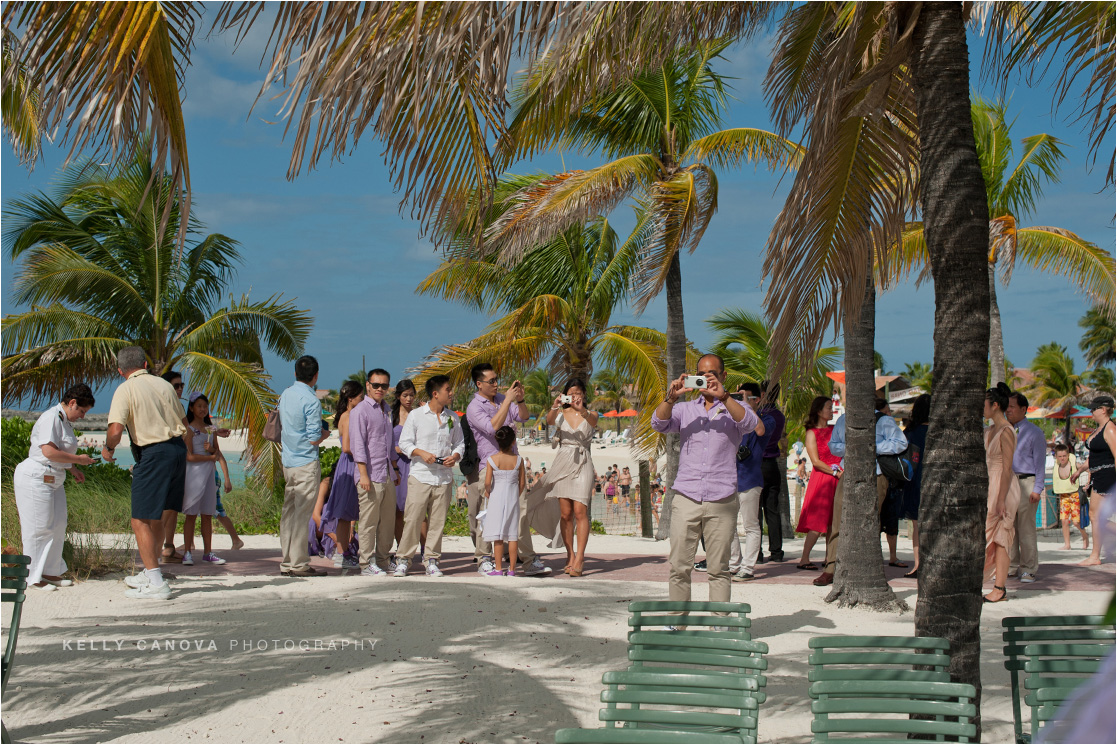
<point x="658" y="616"/>
<point x="13" y="581"/>
<point x="1054" y="671"/>
<point x="879" y="658"/>
<point x="1021" y="631"/>
<point x="851" y="710"/>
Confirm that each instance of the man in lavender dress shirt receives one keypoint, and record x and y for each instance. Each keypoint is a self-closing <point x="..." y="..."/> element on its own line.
<point x="376" y="473"/>
<point x="711" y="428"/>
<point x="1030" y="465"/>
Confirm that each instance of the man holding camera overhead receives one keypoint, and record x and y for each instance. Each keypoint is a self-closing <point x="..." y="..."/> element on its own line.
<point x="711" y="427"/>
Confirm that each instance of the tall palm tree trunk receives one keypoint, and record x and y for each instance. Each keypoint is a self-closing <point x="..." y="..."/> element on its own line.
<point x="996" y="340"/>
<point x="859" y="578"/>
<point x="956" y="225"/>
<point x="676" y="365"/>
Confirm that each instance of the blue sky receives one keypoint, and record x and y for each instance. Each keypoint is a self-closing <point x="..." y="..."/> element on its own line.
<point x="335" y="239"/>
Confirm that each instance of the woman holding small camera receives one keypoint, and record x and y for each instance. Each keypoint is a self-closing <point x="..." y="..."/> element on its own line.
<point x="40" y="497"/>
<point x="571" y="477"/>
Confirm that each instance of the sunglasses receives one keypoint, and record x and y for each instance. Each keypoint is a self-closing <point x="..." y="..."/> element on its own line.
<point x="491" y="381"/>
<point x="379" y="385"/>
<point x="178" y="386"/>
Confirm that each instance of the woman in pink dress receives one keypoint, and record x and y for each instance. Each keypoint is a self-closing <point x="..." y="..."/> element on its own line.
<point x="1004" y="490"/>
<point x="818" y="502"/>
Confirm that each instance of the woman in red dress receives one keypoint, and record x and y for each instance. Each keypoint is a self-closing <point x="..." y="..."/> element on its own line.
<point x="818" y="502"/>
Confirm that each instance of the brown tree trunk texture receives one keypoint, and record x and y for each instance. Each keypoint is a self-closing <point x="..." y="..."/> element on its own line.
<point x="676" y="365"/>
<point x="996" y="340"/>
<point x="645" y="499"/>
<point x="956" y="225"/>
<point x="859" y="578"/>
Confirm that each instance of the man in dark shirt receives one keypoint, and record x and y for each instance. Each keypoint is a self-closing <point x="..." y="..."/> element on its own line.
<point x="773" y="471"/>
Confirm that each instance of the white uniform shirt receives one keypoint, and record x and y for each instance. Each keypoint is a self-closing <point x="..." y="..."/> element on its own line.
<point x="52" y="428"/>
<point x="440" y="434"/>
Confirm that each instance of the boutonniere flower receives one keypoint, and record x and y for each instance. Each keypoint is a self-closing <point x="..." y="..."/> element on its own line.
<point x="450" y="423"/>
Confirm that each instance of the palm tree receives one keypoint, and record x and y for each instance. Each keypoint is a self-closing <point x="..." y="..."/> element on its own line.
<point x="1056" y="385"/>
<point x="554" y="306"/>
<point x="1012" y="191"/>
<point x="610" y="387"/>
<point x="99" y="275"/>
<point x="661" y="129"/>
<point x="19" y="108"/>
<point x="920" y="374"/>
<point x="1099" y="339"/>
<point x="744" y="340"/>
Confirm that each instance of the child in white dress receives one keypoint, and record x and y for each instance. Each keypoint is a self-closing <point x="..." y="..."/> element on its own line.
<point x="505" y="480"/>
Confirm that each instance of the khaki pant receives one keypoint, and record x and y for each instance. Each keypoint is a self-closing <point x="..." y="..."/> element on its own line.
<point x="716" y="521"/>
<point x="299" y="496"/>
<point x="836" y="520"/>
<point x="376" y="522"/>
<point x="424" y="500"/>
<point x="750" y="504"/>
<point x="475" y="498"/>
<point x="1023" y="554"/>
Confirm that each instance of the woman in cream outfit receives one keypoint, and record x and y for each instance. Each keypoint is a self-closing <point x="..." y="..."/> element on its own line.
<point x="40" y="497"/>
<point x="570" y="477"/>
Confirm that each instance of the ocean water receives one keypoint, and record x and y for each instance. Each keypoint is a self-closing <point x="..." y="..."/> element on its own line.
<point x="236" y="468"/>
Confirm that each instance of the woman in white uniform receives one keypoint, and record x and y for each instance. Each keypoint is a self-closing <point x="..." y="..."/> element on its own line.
<point x="40" y="497"/>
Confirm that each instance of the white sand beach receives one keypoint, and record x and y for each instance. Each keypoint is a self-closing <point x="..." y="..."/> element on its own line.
<point x="262" y="658"/>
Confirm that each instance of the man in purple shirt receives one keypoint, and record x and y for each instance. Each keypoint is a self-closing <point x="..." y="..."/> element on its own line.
<point x="376" y="473"/>
<point x="1030" y="465"/>
<point x="710" y="429"/>
<point x="775" y="472"/>
<point x="487" y="412"/>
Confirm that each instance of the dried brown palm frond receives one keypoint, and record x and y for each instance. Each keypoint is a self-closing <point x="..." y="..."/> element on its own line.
<point x="855" y="183"/>
<point x="108" y="75"/>
<point x="1077" y="38"/>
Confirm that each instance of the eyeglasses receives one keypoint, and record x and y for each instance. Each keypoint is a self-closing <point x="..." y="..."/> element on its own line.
<point x="379" y="385"/>
<point x="491" y="380"/>
<point x="178" y="386"/>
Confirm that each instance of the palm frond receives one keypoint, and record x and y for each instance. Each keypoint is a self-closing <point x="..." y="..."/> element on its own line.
<point x="554" y="204"/>
<point x="733" y="147"/>
<point x="282" y="328"/>
<point x="637" y="354"/>
<point x="19" y="108"/>
<point x="1099" y="338"/>
<point x="994" y="150"/>
<point x="1022" y="188"/>
<point x="1058" y="251"/>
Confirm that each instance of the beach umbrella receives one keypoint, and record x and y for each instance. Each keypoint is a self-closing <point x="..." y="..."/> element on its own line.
<point x="629" y="413"/>
<point x="611" y="414"/>
<point x="1035" y="412"/>
<point x="1081" y="412"/>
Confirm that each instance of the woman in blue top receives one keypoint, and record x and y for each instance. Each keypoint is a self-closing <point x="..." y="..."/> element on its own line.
<point x="916" y="432"/>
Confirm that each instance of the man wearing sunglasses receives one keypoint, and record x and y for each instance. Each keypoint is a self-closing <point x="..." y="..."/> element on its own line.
<point x="377" y="475"/>
<point x="488" y="411"/>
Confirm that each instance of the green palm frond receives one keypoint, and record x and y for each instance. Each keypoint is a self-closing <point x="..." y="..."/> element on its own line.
<point x="1041" y="159"/>
<point x="992" y="133"/>
<point x="19" y="108"/>
<point x="1057" y="251"/>
<point x="281" y="326"/>
<point x="638" y="354"/>
<point x="1099" y="338"/>
<point x="734" y="147"/>
<point x="1056" y="385"/>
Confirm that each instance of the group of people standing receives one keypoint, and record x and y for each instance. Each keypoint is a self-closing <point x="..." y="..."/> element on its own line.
<point x="394" y="477"/>
<point x="176" y="459"/>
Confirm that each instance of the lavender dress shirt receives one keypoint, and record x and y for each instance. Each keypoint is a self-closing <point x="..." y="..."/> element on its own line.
<point x="709" y="439"/>
<point x="370" y="439"/>
<point x="1030" y="457"/>
<point x="479" y="413"/>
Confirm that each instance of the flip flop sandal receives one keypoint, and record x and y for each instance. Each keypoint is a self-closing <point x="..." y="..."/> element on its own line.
<point x="806" y="566"/>
<point x="173" y="558"/>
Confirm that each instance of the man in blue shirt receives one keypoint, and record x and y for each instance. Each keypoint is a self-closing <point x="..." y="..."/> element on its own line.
<point x="750" y="483"/>
<point x="300" y="412"/>
<point x="775" y="473"/>
<point x="889" y="441"/>
<point x="1030" y="465"/>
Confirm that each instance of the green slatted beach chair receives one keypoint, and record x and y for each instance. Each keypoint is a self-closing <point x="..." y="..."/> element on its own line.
<point x="697" y="618"/>
<point x="880" y="711"/>
<point x="1054" y="671"/>
<point x="711" y="653"/>
<point x="649" y="707"/>
<point x="1019" y="632"/>
<point x="13" y="581"/>
<point x="898" y="658"/>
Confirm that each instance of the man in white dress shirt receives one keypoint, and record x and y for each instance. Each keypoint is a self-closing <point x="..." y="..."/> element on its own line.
<point x="432" y="437"/>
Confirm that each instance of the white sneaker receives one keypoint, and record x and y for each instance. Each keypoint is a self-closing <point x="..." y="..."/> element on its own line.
<point x="536" y="568"/>
<point x="339" y="558"/>
<point x="47" y="587"/>
<point x="138" y="580"/>
<point x="187" y="559"/>
<point x="432" y="568"/>
<point x="401" y="567"/>
<point x="373" y="570"/>
<point x="163" y="591"/>
<point x="486" y="566"/>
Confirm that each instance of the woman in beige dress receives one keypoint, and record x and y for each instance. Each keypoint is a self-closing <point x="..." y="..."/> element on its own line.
<point x="1004" y="490"/>
<point x="570" y="477"/>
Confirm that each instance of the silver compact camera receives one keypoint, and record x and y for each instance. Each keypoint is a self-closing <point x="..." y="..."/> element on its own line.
<point x="566" y="399"/>
<point x="695" y="382"/>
